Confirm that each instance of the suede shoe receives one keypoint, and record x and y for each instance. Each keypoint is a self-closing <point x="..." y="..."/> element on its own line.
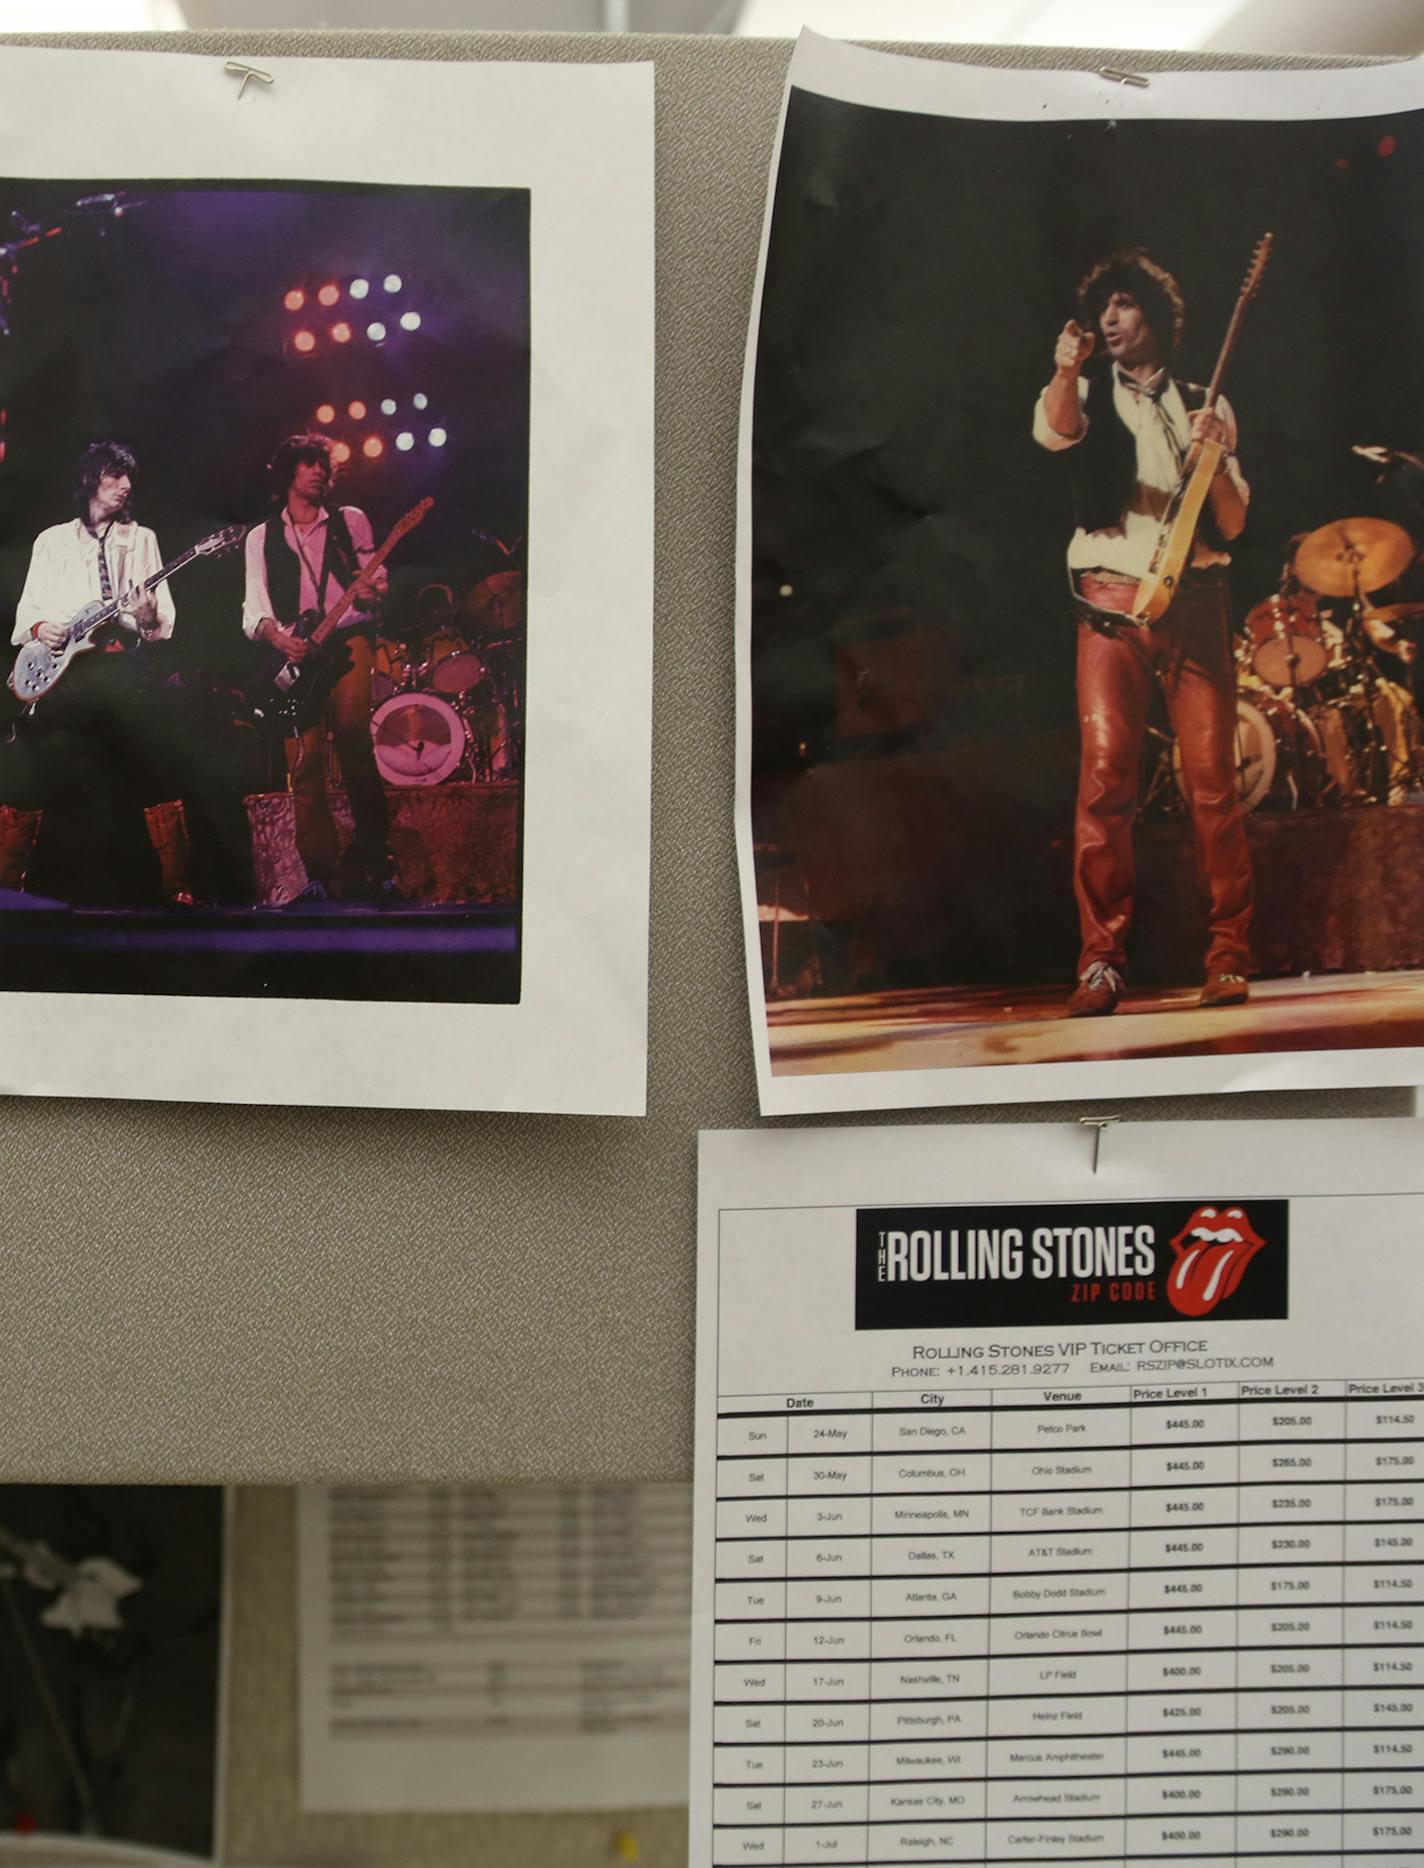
<point x="1225" y="989"/>
<point x="1096" y="993"/>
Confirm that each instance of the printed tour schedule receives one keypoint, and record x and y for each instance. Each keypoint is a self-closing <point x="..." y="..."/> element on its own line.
<point x="1049" y="1516"/>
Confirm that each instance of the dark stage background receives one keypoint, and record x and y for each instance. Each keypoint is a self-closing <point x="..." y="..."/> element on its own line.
<point x="914" y="737"/>
<point x="166" y="328"/>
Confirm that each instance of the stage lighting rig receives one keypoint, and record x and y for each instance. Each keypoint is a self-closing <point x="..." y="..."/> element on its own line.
<point x="22" y="235"/>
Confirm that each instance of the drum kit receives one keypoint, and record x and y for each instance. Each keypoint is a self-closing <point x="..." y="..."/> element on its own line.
<point x="1318" y="722"/>
<point x="448" y="705"/>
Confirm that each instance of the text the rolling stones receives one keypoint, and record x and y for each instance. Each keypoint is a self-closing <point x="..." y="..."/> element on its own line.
<point x="971" y="1267"/>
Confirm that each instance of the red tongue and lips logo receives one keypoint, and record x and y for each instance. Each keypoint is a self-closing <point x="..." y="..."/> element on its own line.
<point x="1213" y="1250"/>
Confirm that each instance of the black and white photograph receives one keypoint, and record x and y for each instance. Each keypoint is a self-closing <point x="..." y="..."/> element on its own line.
<point x="326" y="583"/>
<point x="1083" y="585"/>
<point x="111" y="1653"/>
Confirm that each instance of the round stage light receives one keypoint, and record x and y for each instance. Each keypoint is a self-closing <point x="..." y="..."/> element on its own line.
<point x="341" y="333"/>
<point x="388" y="407"/>
<point x="295" y="299"/>
<point x="328" y="295"/>
<point x="341" y="453"/>
<point x="376" y="332"/>
<point x="357" y="411"/>
<point x="405" y="441"/>
<point x="326" y="414"/>
<point x="410" y="320"/>
<point x="304" y="341"/>
<point x="373" y="447"/>
<point x="394" y="282"/>
<point x="438" y="437"/>
<point x="420" y="401"/>
<point x="358" y="288"/>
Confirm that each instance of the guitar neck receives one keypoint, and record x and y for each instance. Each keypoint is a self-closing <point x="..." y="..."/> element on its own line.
<point x="160" y="576"/>
<point x="348" y="596"/>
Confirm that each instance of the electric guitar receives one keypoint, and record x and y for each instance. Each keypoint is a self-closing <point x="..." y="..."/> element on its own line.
<point x="37" y="668"/>
<point x="301" y="686"/>
<point x="89" y="1592"/>
<point x="1184" y="509"/>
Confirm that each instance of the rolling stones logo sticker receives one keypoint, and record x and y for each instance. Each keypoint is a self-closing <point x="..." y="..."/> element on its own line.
<point x="1213" y="1250"/>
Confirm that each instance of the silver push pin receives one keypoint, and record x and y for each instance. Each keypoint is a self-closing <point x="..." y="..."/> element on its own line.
<point x="1097" y="1124"/>
<point x="247" y="73"/>
<point x="1119" y="76"/>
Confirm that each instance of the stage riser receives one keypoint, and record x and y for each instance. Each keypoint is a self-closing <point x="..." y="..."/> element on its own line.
<point x="915" y="871"/>
<point x="453" y="843"/>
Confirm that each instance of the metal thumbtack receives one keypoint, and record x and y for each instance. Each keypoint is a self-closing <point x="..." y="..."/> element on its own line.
<point x="247" y="73"/>
<point x="1097" y="1124"/>
<point x="1119" y="76"/>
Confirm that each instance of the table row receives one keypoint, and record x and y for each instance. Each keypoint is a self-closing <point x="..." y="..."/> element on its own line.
<point x="858" y="1800"/>
<point x="1023" y="1419"/>
<point x="777" y="1539"/>
<point x="956" y="1471"/>
<point x="1019" y="1759"/>
<point x="920" y="1715"/>
<point x="1248" y="1606"/>
<point x="1117" y="1841"/>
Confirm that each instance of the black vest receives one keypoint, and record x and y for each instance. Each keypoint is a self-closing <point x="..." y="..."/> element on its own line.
<point x="284" y="568"/>
<point x="1103" y="466"/>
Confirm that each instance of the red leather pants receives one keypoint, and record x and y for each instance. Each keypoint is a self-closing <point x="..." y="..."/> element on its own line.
<point x="1115" y="672"/>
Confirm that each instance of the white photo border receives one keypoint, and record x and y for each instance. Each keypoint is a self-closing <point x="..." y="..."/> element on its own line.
<point x="577" y="1040"/>
<point x="891" y="81"/>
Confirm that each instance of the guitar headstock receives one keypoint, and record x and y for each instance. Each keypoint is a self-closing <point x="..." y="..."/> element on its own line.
<point x="216" y="543"/>
<point x="412" y="519"/>
<point x="1251" y="283"/>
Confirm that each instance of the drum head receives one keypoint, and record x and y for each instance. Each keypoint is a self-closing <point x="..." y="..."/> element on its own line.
<point x="1280" y="761"/>
<point x="1287" y="649"/>
<point x="419" y="739"/>
<point x="454" y="674"/>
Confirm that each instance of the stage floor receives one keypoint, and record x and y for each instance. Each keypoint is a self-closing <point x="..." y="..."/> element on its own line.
<point x="948" y="1029"/>
<point x="326" y="950"/>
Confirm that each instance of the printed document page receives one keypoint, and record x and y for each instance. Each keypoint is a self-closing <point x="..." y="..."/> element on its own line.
<point x="1045" y="1514"/>
<point x="502" y="1648"/>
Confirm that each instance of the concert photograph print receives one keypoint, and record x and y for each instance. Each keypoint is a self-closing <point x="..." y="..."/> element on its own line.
<point x="312" y="636"/>
<point x="1081" y="584"/>
<point x="111" y="1663"/>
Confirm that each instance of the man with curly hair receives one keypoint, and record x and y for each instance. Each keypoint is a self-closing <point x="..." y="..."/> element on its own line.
<point x="1125" y="423"/>
<point x="91" y="748"/>
<point x="300" y="561"/>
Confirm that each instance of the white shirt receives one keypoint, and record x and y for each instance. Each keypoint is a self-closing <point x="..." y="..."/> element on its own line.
<point x="64" y="574"/>
<point x="1162" y="429"/>
<point x="308" y="543"/>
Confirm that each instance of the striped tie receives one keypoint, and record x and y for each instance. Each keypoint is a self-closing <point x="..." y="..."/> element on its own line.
<point x="106" y="583"/>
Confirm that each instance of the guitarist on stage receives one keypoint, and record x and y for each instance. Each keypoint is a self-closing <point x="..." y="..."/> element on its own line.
<point x="300" y="561"/>
<point x="1125" y="424"/>
<point x="89" y="752"/>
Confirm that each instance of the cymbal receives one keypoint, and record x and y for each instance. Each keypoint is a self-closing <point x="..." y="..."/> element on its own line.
<point x="1350" y="554"/>
<point x="495" y="607"/>
<point x="1399" y="615"/>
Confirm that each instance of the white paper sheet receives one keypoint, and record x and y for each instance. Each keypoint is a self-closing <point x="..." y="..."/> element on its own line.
<point x="517" y="1648"/>
<point x="879" y="974"/>
<point x="1045" y="1515"/>
<point x="576" y="1041"/>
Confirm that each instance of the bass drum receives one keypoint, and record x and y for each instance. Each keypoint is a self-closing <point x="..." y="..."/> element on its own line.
<point x="419" y="739"/>
<point x="1280" y="764"/>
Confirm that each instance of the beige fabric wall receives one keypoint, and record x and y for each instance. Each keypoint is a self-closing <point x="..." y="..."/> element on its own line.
<point x="274" y="1295"/>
